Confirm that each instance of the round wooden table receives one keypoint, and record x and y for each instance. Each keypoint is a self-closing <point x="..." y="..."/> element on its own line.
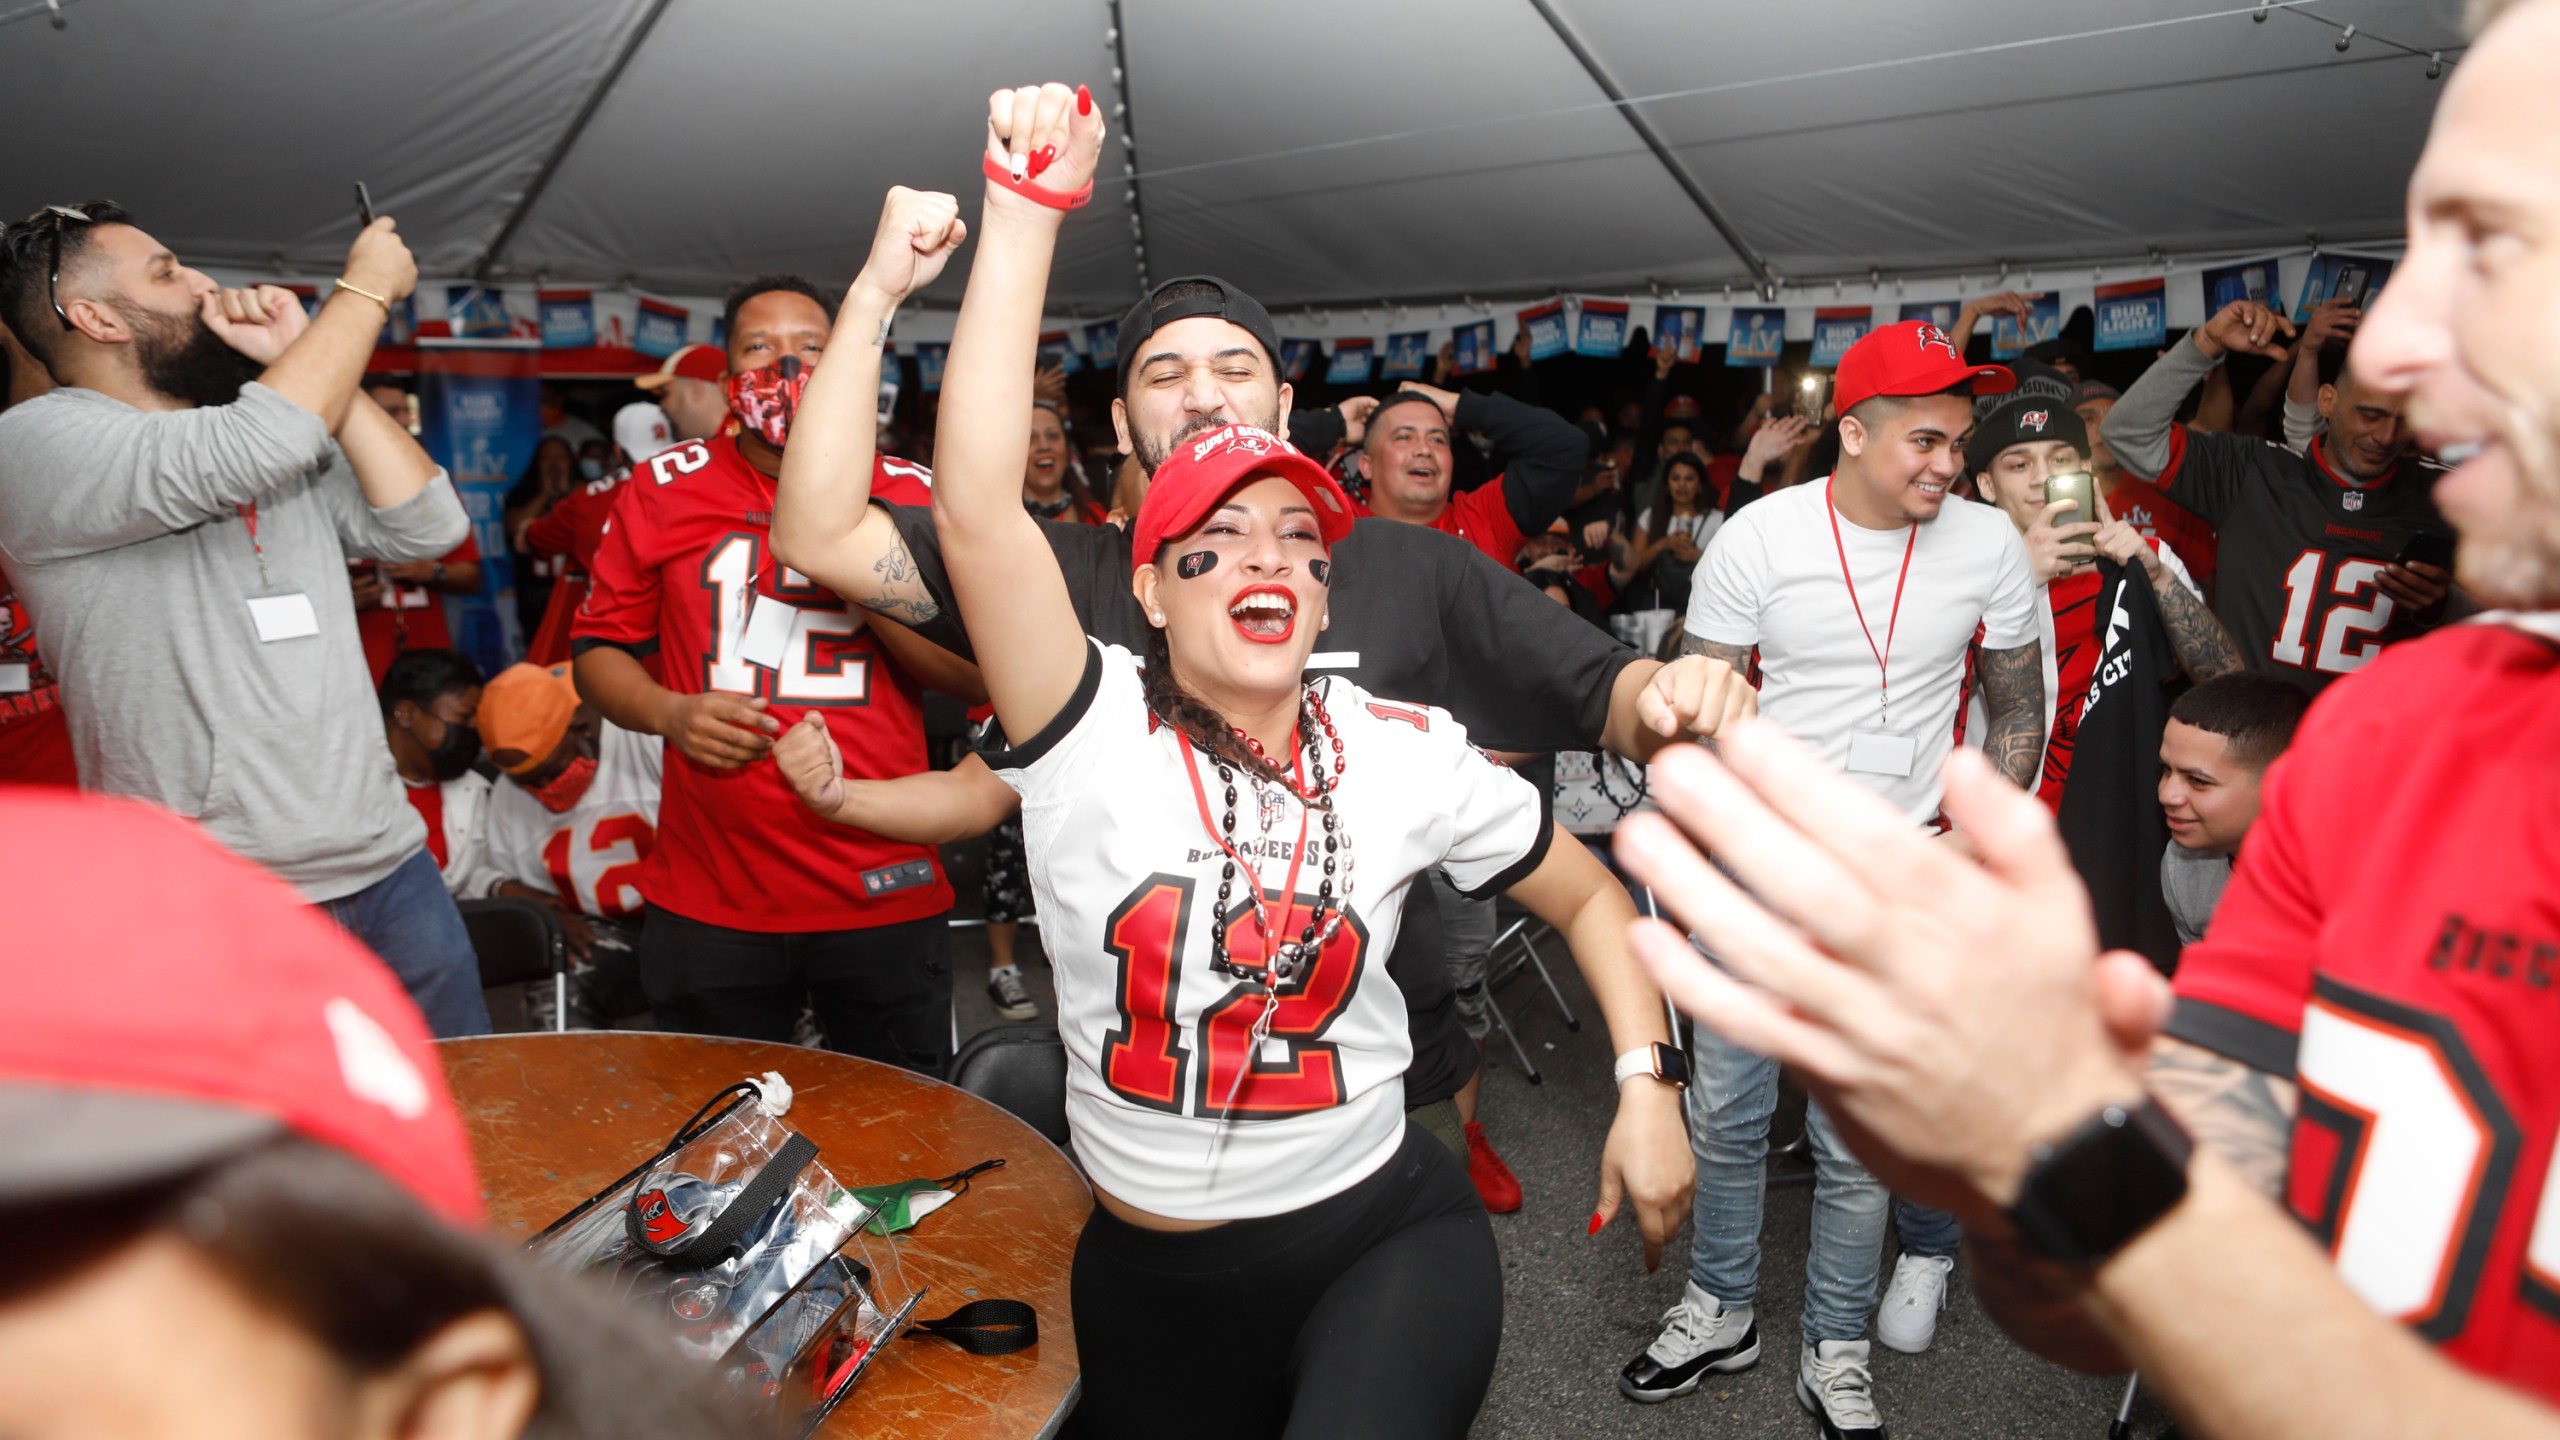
<point x="555" y="1118"/>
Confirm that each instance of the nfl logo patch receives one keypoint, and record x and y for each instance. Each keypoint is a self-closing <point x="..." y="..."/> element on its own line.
<point x="2352" y="500"/>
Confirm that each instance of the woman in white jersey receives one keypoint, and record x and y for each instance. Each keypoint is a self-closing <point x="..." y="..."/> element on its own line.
<point x="1219" y="854"/>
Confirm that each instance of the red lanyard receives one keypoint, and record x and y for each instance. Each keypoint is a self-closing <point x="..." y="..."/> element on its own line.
<point x="249" y="517"/>
<point x="1271" y="932"/>
<point x="1884" y="657"/>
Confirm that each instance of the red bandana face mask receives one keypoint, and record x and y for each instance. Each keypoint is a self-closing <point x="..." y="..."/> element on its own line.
<point x="765" y="400"/>
<point x="567" y="786"/>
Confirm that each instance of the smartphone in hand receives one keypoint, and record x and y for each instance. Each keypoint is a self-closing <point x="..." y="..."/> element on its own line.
<point x="2428" y="547"/>
<point x="364" y="206"/>
<point x="2081" y="489"/>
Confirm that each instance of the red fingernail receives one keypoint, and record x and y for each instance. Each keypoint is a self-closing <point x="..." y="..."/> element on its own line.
<point x="1084" y="101"/>
<point x="1042" y="158"/>
<point x="1596" y="1223"/>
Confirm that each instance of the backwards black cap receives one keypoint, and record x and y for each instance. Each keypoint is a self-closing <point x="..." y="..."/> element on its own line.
<point x="1215" y="297"/>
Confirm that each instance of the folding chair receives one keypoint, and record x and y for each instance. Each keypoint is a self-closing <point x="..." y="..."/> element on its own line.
<point x="1022" y="1068"/>
<point x="1525" y="930"/>
<point x="519" y="942"/>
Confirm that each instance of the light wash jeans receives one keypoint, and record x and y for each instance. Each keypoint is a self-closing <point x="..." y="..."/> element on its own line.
<point x="1732" y="1094"/>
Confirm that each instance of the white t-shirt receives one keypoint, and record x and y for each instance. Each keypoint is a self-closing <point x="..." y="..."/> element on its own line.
<point x="1772" y="579"/>
<point x="592" y="851"/>
<point x="1124" y="872"/>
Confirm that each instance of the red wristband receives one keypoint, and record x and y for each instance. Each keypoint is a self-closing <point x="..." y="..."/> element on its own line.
<point x="1055" y="200"/>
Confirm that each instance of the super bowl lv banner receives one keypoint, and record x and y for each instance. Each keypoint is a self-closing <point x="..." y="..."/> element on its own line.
<point x="480" y="407"/>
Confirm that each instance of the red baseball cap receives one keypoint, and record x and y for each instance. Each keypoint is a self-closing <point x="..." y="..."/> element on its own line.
<point x="693" y="362"/>
<point x="171" y="1004"/>
<point x="1205" y="469"/>
<point x="1911" y="358"/>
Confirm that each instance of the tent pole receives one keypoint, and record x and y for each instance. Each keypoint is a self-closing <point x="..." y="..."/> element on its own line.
<point x="1128" y="118"/>
<point x="1661" y="148"/>
<point x="568" y="138"/>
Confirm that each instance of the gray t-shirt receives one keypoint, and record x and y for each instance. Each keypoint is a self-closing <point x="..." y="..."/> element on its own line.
<point x="121" y="530"/>
<point x="2191" y="881"/>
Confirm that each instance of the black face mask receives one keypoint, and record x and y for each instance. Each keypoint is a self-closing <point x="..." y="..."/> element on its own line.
<point x="184" y="360"/>
<point x="453" y="758"/>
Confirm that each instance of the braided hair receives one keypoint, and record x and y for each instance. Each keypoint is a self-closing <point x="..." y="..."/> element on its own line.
<point x="1191" y="715"/>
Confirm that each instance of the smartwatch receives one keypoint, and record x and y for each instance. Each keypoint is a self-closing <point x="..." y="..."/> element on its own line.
<point x="1663" y="1062"/>
<point x="2087" y="1195"/>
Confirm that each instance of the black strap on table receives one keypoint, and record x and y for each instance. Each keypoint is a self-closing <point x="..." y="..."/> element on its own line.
<point x="985" y="1327"/>
<point x="713" y="1243"/>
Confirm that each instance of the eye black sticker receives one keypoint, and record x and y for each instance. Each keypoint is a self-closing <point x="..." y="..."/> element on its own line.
<point x="1322" y="570"/>
<point x="1196" y="564"/>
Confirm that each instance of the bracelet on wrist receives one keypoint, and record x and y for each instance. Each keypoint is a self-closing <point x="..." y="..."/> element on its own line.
<point x="341" y="284"/>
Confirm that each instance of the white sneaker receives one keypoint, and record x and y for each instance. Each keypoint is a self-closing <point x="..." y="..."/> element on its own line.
<point x="1908" y="1319"/>
<point x="1699" y="1337"/>
<point x="1012" y="998"/>
<point x="1834" y="1386"/>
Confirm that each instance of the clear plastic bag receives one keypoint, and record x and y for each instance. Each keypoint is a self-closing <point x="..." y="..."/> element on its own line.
<point x="732" y="1236"/>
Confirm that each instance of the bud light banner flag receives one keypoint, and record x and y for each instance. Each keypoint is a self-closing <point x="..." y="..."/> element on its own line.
<point x="2247" y="280"/>
<point x="568" y="319"/>
<point x="1756" y="339"/>
<point x="1683" y="328"/>
<point x="2011" y="336"/>
<point x="1837" y="328"/>
<point x="2133" y="315"/>
<point x="1298" y="359"/>
<point x="1054" y="350"/>
<point x="1102" y="343"/>
<point x="661" y="329"/>
<point x="2353" y="278"/>
<point x="480" y="413"/>
<point x="1603" y="331"/>
<point x="1545" y="324"/>
<point x="1475" y="348"/>
<point x="1352" y="361"/>
<point x="1941" y="313"/>
<point x="1404" y="355"/>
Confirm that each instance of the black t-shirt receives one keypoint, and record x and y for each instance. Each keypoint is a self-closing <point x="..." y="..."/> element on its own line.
<point x="2299" y="549"/>
<point x="1417" y="615"/>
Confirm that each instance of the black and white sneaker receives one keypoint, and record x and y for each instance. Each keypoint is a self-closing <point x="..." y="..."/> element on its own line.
<point x="1699" y="1337"/>
<point x="1833" y="1384"/>
<point x="1012" y="997"/>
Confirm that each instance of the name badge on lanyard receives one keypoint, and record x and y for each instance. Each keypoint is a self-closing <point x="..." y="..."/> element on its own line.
<point x="283" y="617"/>
<point x="768" y="637"/>
<point x="1878" y="752"/>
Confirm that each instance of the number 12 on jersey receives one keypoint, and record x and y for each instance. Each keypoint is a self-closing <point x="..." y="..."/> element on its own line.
<point x="815" y="670"/>
<point x="1150" y="1059"/>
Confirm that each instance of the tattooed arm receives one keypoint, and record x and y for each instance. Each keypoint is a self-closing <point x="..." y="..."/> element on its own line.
<point x="892" y="586"/>
<point x="2203" y="647"/>
<point x="2242" y="1115"/>
<point x="2013" y="693"/>
<point x="1737" y="656"/>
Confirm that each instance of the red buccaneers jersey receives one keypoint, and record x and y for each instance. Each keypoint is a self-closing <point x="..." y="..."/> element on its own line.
<point x="2076" y="646"/>
<point x="687" y="558"/>
<point x="1481" y="517"/>
<point x="2391" y="940"/>
<point x="570" y="532"/>
<point x="2149" y="510"/>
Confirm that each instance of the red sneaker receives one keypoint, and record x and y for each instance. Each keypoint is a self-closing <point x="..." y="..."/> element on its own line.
<point x="1494" y="1181"/>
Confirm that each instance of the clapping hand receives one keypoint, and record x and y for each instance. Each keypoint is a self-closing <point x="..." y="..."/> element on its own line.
<point x="2245" y="326"/>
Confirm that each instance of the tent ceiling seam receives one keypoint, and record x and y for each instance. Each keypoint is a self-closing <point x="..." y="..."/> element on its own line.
<point x="1661" y="148"/>
<point x="1126" y="115"/>
<point x="586" y="113"/>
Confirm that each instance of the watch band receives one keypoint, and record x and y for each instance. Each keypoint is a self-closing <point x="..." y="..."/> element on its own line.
<point x="2088" y="1195"/>
<point x="1662" y="1062"/>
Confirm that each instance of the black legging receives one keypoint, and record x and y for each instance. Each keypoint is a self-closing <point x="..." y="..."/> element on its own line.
<point x="1374" y="1313"/>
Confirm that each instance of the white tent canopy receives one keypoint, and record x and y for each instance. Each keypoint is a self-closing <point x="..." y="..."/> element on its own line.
<point x="1326" y="153"/>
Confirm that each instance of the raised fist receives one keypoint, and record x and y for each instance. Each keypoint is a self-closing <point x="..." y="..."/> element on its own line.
<point x="919" y="231"/>
<point x="1048" y="135"/>
<point x="380" y="261"/>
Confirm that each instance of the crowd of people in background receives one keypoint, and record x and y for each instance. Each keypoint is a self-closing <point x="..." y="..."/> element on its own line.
<point x="733" y="753"/>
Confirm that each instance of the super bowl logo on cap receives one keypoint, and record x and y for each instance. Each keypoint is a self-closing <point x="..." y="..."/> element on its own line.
<point x="1250" y="439"/>
<point x="1932" y="336"/>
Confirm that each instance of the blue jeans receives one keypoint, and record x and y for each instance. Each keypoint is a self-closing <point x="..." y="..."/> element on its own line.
<point x="408" y="919"/>
<point x="1925" y="1231"/>
<point x="1732" y="1094"/>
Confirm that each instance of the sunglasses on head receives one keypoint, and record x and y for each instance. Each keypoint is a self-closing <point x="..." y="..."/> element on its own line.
<point x="54" y="218"/>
